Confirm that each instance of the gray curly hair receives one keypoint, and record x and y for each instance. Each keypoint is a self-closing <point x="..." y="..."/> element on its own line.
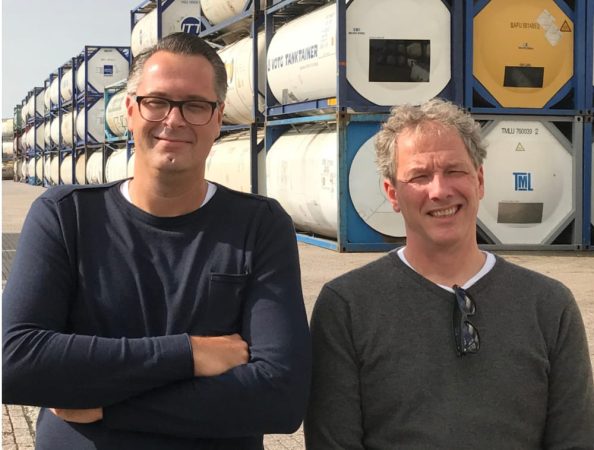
<point x="435" y="111"/>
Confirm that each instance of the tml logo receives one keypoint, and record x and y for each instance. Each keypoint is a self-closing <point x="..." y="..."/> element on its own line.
<point x="523" y="181"/>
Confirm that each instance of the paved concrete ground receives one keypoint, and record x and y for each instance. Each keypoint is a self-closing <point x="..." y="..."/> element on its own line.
<point x="575" y="269"/>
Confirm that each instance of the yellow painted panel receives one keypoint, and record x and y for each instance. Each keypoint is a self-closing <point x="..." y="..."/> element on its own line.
<point x="522" y="51"/>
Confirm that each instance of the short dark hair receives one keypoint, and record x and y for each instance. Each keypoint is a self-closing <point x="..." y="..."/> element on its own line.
<point x="181" y="44"/>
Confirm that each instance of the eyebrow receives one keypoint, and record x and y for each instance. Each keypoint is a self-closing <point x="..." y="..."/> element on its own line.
<point x="164" y="95"/>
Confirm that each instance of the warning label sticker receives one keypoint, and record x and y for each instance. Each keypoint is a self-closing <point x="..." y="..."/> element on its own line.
<point x="520" y="147"/>
<point x="565" y="28"/>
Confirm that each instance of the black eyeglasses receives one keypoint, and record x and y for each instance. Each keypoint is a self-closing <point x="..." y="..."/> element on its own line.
<point x="466" y="335"/>
<point x="156" y="109"/>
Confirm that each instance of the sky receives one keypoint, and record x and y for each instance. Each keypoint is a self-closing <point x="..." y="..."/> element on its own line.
<point x="38" y="36"/>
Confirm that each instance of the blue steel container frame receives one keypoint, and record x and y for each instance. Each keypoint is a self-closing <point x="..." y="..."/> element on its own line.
<point x="589" y="70"/>
<point x="588" y="186"/>
<point x="574" y="87"/>
<point x="574" y="134"/>
<point x="347" y="98"/>
<point x="84" y="57"/>
<point x="353" y="130"/>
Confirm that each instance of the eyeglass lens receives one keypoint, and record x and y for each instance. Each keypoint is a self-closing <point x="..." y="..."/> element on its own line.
<point x="195" y="112"/>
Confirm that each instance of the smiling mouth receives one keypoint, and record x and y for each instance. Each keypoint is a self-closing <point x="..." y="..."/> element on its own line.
<point x="168" y="139"/>
<point x="448" y="212"/>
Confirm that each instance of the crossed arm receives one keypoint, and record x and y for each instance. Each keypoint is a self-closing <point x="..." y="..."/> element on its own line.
<point x="175" y="384"/>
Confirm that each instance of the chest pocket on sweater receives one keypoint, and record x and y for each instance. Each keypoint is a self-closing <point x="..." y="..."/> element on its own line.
<point x="226" y="294"/>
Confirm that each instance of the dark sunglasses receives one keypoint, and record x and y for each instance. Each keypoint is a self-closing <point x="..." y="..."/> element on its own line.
<point x="466" y="335"/>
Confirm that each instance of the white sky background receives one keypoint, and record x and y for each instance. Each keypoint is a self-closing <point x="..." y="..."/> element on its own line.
<point x="38" y="36"/>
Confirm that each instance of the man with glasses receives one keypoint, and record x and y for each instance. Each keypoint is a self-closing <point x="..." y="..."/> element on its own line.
<point x="164" y="311"/>
<point x="439" y="344"/>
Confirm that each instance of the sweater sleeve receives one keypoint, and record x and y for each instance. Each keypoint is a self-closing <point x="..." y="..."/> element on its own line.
<point x="45" y="364"/>
<point x="570" y="412"/>
<point x="267" y="395"/>
<point x="334" y="416"/>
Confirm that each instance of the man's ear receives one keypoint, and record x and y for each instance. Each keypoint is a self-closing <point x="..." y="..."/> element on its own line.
<point x="129" y="109"/>
<point x="391" y="193"/>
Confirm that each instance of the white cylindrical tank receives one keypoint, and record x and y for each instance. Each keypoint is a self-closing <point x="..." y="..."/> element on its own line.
<point x="7" y="128"/>
<point x="80" y="170"/>
<point x="66" y="170"/>
<point x="239" y="59"/>
<point x="180" y="15"/>
<point x="67" y="129"/>
<point x="92" y="121"/>
<point x="47" y="135"/>
<point x="39" y="105"/>
<point x="528" y="182"/>
<point x="46" y="98"/>
<point x="229" y="163"/>
<point x="94" y="167"/>
<point x="66" y="85"/>
<point x="217" y="11"/>
<point x="31" y="164"/>
<point x="301" y="174"/>
<point x="55" y="169"/>
<point x="392" y="56"/>
<point x="29" y="108"/>
<point x="54" y="91"/>
<point x="55" y="130"/>
<point x="116" y="115"/>
<point x="116" y="166"/>
<point x="103" y="68"/>
<point x="29" y="138"/>
<point x="7" y="149"/>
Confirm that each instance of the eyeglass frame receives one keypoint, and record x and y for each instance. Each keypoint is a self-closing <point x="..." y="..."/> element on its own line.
<point x="173" y="104"/>
<point x="460" y="321"/>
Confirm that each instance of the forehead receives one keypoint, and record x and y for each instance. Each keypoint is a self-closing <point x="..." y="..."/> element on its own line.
<point x="431" y="138"/>
<point x="165" y="71"/>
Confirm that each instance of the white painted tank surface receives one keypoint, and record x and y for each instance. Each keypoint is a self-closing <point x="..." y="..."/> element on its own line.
<point x="46" y="163"/>
<point x="31" y="165"/>
<point x="23" y="113"/>
<point x="67" y="129"/>
<point x="66" y="85"/>
<point x="39" y="105"/>
<point x="25" y="169"/>
<point x="19" y="143"/>
<point x="105" y="67"/>
<point x="29" y="142"/>
<point x="7" y="128"/>
<point x="47" y="135"/>
<point x="528" y="182"/>
<point x="366" y="189"/>
<point x="116" y="166"/>
<point x="180" y="15"/>
<point x="95" y="167"/>
<point x="93" y="122"/>
<point x="115" y="114"/>
<point x="81" y="168"/>
<point x="46" y="97"/>
<point x="40" y="136"/>
<point x="301" y="173"/>
<point x="238" y="58"/>
<point x="55" y="130"/>
<point x="29" y="107"/>
<point x="217" y="11"/>
<point x="7" y="149"/>
<point x="392" y="56"/>
<point x="54" y="91"/>
<point x="229" y="163"/>
<point x="66" y="170"/>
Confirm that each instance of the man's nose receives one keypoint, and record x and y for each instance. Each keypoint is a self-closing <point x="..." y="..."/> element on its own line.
<point x="175" y="117"/>
<point x="439" y="186"/>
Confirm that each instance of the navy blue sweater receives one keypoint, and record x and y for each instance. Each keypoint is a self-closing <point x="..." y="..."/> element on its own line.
<point x="102" y="298"/>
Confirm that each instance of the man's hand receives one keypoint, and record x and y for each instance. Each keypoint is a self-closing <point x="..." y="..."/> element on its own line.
<point x="79" y="415"/>
<point x="217" y="354"/>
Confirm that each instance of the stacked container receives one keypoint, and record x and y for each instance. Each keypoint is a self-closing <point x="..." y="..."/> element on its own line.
<point x="525" y="83"/>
